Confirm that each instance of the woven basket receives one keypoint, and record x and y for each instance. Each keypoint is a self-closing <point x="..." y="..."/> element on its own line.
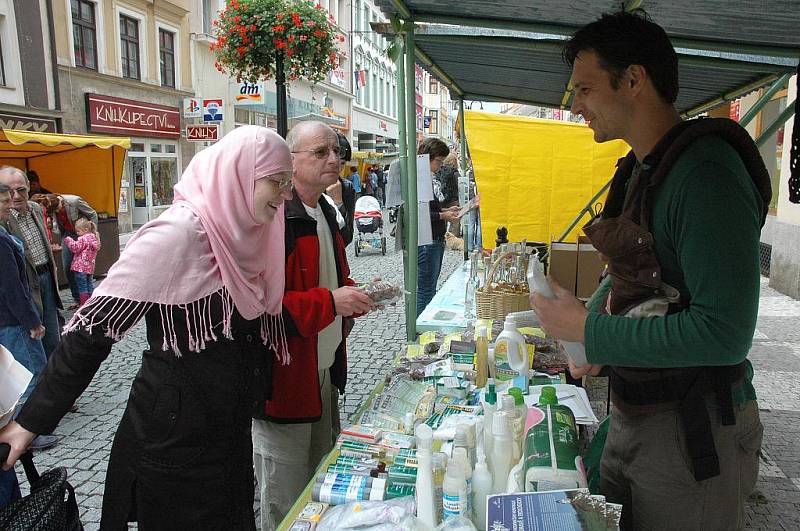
<point x="495" y="302"/>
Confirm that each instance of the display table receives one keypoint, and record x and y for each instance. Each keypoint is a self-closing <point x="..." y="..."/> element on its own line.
<point x="445" y="312"/>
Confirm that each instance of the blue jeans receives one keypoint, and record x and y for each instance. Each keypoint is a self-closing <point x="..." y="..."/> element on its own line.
<point x="429" y="265"/>
<point x="9" y="487"/>
<point x="84" y="282"/>
<point x="66" y="258"/>
<point x="50" y="319"/>
<point x="28" y="352"/>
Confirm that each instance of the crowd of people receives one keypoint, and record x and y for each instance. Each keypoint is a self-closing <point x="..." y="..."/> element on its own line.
<point x="247" y="340"/>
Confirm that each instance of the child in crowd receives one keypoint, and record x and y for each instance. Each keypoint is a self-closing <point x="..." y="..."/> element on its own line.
<point x="84" y="251"/>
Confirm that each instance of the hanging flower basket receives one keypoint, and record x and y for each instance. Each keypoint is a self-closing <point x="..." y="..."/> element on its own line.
<point x="250" y="34"/>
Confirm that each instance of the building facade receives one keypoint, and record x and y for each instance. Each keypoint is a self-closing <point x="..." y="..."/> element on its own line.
<point x="124" y="69"/>
<point x="438" y="115"/>
<point x="374" y="84"/>
<point x="28" y="96"/>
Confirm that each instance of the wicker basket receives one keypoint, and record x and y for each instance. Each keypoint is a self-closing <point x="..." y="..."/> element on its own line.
<point x="498" y="301"/>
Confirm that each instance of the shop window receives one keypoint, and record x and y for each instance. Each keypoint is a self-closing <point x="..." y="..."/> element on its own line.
<point x="129" y="46"/>
<point x="155" y="148"/>
<point x="164" y="175"/>
<point x="434" y="127"/>
<point x="169" y="148"/>
<point x="137" y="146"/>
<point x="166" y="53"/>
<point x="433" y="86"/>
<point x="84" y="32"/>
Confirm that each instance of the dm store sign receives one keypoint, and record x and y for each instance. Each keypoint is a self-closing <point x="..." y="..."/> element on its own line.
<point x="249" y="94"/>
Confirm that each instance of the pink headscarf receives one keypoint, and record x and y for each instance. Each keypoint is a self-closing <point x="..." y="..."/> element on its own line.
<point x="207" y="242"/>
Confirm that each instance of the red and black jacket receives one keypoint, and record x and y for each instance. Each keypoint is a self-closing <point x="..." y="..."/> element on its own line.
<point x="307" y="310"/>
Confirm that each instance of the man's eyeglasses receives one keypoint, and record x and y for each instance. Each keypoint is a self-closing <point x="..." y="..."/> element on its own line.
<point x="21" y="190"/>
<point x="322" y="152"/>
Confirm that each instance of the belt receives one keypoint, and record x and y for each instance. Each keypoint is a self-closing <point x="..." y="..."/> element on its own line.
<point x="41" y="269"/>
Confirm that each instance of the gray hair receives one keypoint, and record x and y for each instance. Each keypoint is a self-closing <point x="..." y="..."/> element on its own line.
<point x="296" y="133"/>
<point x="13" y="169"/>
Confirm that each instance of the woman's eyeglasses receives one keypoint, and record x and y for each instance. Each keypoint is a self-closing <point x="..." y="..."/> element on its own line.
<point x="322" y="152"/>
<point x="284" y="184"/>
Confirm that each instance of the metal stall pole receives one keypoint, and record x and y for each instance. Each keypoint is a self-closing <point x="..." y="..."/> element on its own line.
<point x="410" y="208"/>
<point x="409" y="282"/>
<point x="462" y="161"/>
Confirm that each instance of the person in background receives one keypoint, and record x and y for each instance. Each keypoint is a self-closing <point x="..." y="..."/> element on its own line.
<point x="674" y="320"/>
<point x="372" y="182"/>
<point x="429" y="257"/>
<point x="355" y="178"/>
<point x="448" y="177"/>
<point x="21" y="329"/>
<point x="298" y="426"/>
<point x="36" y="186"/>
<point x="207" y="277"/>
<point x="70" y="208"/>
<point x="381" y="193"/>
<point x="342" y="193"/>
<point x="84" y="253"/>
<point x="28" y="224"/>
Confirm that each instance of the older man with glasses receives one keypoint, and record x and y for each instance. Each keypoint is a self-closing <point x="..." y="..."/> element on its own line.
<point x="27" y="223"/>
<point x="299" y="424"/>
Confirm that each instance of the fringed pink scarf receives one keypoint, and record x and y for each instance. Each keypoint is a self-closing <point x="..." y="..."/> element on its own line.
<point x="207" y="244"/>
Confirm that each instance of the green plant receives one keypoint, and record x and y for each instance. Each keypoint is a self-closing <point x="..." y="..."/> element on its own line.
<point x="250" y="34"/>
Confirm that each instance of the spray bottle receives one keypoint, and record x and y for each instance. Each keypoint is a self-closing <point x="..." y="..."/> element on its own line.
<point x="481" y="356"/>
<point x="537" y="283"/>
<point x="501" y="453"/>
<point x="509" y="408"/>
<point x="481" y="489"/>
<point x="426" y="506"/>
<point x="489" y="408"/>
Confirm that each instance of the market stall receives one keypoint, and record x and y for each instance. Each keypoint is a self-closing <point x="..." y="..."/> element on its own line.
<point x="87" y="166"/>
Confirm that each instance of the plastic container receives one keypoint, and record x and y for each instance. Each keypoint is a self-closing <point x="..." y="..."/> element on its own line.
<point x="552" y="459"/>
<point x="501" y="452"/>
<point x="537" y="283"/>
<point x="481" y="356"/>
<point x="454" y="490"/>
<point x="481" y="489"/>
<point x="424" y="488"/>
<point x="460" y="456"/>
<point x="439" y="463"/>
<point x="511" y="355"/>
<point x="519" y="421"/>
<point x="489" y="408"/>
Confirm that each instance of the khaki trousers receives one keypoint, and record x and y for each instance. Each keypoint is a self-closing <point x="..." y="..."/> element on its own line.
<point x="286" y="456"/>
<point x="646" y="467"/>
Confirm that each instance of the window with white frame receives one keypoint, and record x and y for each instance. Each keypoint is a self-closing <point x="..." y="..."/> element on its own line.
<point x="434" y="124"/>
<point x="166" y="55"/>
<point x="129" y="47"/>
<point x="84" y="33"/>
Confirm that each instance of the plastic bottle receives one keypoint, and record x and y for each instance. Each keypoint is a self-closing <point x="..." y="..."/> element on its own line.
<point x="439" y="469"/>
<point x="481" y="489"/>
<point x="461" y="439"/>
<point x="509" y="407"/>
<point x="537" y="283"/>
<point x="501" y="453"/>
<point x="511" y="354"/>
<point x="551" y="448"/>
<point x="453" y="489"/>
<point x="460" y="455"/>
<point x="426" y="506"/>
<point x="481" y="356"/>
<point x="489" y="408"/>
<point x="519" y="421"/>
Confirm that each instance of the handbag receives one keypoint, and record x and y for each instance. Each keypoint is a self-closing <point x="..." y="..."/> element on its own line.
<point x="50" y="506"/>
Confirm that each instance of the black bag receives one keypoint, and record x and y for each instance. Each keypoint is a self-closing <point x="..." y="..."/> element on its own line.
<point x="51" y="505"/>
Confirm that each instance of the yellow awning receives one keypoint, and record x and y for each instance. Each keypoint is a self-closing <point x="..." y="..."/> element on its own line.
<point x="52" y="139"/>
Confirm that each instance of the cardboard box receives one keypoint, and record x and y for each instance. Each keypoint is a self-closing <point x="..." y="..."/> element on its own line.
<point x="576" y="267"/>
<point x="564" y="264"/>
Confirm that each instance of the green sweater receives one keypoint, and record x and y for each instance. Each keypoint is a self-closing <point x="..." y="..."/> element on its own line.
<point x="706" y="222"/>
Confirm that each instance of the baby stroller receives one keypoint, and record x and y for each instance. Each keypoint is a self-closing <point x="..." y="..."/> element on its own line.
<point x="369" y="225"/>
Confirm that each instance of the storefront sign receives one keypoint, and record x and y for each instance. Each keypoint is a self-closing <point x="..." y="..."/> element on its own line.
<point x="118" y="116"/>
<point x="427" y="122"/>
<point x="342" y="121"/>
<point x="249" y="94"/>
<point x="23" y="122"/>
<point x="213" y="110"/>
<point x="338" y="77"/>
<point x="734" y="110"/>
<point x="202" y="133"/>
<point x="192" y="108"/>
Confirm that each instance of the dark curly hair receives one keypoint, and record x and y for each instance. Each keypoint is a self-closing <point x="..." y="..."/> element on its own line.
<point x="623" y="39"/>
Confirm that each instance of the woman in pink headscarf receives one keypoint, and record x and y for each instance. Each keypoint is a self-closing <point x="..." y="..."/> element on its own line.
<point x="208" y="278"/>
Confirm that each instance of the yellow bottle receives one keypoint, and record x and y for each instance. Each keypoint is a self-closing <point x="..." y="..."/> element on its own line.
<point x="481" y="356"/>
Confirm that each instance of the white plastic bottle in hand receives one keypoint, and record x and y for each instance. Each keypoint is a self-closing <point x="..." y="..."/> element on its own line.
<point x="503" y="448"/>
<point x="481" y="489"/>
<point x="426" y="504"/>
<point x="537" y="283"/>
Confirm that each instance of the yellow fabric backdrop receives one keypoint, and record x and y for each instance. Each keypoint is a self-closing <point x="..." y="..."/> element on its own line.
<point x="534" y="175"/>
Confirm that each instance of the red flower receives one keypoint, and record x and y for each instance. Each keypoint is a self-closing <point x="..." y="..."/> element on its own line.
<point x="279" y="27"/>
<point x="237" y="19"/>
<point x="298" y="22"/>
<point x="253" y="27"/>
<point x="279" y="43"/>
<point x="318" y="33"/>
<point x="318" y="6"/>
<point x="280" y="16"/>
<point x="241" y="50"/>
<point x="291" y="38"/>
<point x="289" y="53"/>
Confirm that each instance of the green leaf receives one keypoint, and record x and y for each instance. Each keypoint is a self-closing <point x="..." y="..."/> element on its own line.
<point x="394" y="49"/>
<point x="397" y="26"/>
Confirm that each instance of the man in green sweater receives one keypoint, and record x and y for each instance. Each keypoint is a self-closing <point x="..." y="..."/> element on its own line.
<point x="681" y="231"/>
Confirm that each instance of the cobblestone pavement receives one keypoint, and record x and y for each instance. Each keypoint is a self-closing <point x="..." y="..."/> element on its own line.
<point x="376" y="339"/>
